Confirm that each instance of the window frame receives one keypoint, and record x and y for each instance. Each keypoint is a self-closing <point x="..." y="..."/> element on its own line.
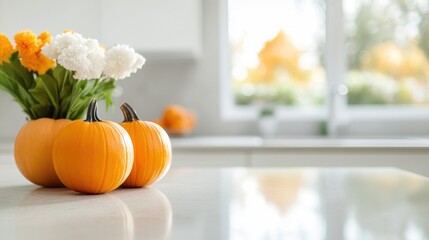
<point x="336" y="112"/>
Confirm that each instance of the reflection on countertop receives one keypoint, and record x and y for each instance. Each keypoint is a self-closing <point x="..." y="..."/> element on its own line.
<point x="329" y="204"/>
<point x="226" y="203"/>
<point x="29" y="212"/>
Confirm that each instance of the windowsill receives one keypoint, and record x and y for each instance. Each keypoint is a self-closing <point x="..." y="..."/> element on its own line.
<point x="256" y="142"/>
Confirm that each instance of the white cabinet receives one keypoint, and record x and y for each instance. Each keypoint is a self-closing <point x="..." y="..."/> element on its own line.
<point x="156" y="28"/>
<point x="53" y="16"/>
<point x="159" y="27"/>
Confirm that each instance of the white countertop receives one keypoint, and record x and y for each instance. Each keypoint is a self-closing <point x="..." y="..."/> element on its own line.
<point x="225" y="203"/>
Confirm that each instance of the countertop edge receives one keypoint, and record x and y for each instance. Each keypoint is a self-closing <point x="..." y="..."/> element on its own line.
<point x="255" y="143"/>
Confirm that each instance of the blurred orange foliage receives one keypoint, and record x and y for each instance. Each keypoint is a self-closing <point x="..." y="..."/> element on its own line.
<point x="278" y="54"/>
<point x="390" y="59"/>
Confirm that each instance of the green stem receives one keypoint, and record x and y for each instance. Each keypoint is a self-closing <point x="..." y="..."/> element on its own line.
<point x="91" y="114"/>
<point x="129" y="113"/>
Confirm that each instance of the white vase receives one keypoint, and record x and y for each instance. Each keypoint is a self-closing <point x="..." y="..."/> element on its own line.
<point x="267" y="126"/>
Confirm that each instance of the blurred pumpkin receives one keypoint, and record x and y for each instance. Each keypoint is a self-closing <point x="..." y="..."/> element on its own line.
<point x="177" y="120"/>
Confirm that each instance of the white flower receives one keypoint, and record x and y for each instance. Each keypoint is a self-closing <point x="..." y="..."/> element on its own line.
<point x="121" y="61"/>
<point x="75" y="53"/>
<point x="60" y="42"/>
<point x="85" y="57"/>
<point x="88" y="60"/>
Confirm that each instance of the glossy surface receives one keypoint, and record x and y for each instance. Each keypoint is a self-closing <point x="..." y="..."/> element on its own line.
<point x="234" y="203"/>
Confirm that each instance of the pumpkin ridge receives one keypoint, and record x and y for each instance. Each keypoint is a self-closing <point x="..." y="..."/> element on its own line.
<point x="127" y="173"/>
<point x="89" y="135"/>
<point x="65" y="180"/>
<point x="146" y="158"/>
<point x="137" y="159"/>
<point x="155" y="139"/>
<point x="90" y="152"/>
<point x="110" y="183"/>
<point x="124" y="134"/>
<point x="126" y="127"/>
<point x="147" y="155"/>
<point x="86" y="134"/>
<point x="124" y="173"/>
<point x="105" y="153"/>
<point x="122" y="164"/>
<point x="154" y="148"/>
<point x="165" y="141"/>
<point x="165" y="144"/>
<point x="152" y="145"/>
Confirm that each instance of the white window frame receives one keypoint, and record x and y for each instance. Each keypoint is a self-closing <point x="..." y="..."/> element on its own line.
<point x="335" y="111"/>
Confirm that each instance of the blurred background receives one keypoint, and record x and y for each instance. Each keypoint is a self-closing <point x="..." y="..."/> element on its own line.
<point x="360" y="67"/>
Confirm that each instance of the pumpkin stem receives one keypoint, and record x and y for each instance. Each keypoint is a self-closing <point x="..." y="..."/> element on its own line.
<point x="91" y="114"/>
<point x="129" y="113"/>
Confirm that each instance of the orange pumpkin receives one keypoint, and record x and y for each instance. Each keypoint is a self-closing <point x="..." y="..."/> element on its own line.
<point x="33" y="151"/>
<point x="93" y="156"/>
<point x="152" y="149"/>
<point x="177" y="120"/>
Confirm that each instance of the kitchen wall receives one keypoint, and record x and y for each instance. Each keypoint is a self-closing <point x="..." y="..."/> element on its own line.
<point x="196" y="85"/>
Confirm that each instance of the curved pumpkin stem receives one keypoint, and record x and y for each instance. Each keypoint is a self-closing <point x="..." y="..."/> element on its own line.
<point x="129" y="113"/>
<point x="91" y="114"/>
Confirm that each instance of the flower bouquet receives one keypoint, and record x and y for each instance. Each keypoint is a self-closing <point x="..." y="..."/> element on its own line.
<point x="57" y="79"/>
<point x="54" y="80"/>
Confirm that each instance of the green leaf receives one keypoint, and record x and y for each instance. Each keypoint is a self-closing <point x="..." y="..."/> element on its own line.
<point x="9" y="86"/>
<point x="46" y="92"/>
<point x="15" y="70"/>
<point x="55" y="94"/>
<point x="16" y="80"/>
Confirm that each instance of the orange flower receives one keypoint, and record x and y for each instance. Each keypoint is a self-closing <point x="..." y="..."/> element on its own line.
<point x="26" y="41"/>
<point x="45" y="37"/>
<point x="30" y="51"/>
<point x="6" y="48"/>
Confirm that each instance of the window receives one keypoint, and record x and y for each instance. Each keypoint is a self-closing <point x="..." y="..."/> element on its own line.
<point x="277" y="50"/>
<point x="387" y="52"/>
<point x="327" y="60"/>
